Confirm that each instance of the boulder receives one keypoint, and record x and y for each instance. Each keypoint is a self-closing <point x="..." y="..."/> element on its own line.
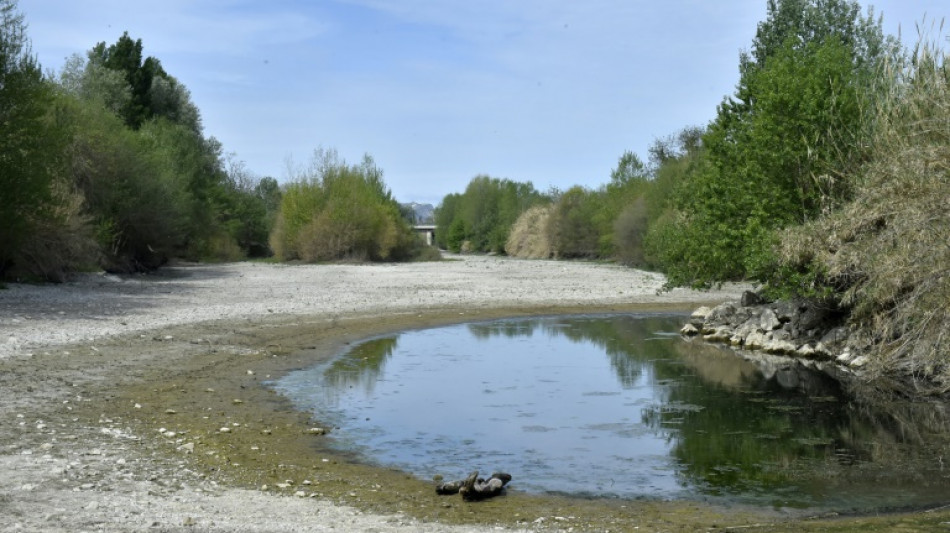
<point x="768" y="320"/>
<point x="750" y="299"/>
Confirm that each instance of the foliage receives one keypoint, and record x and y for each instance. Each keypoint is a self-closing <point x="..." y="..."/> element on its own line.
<point x="334" y="211"/>
<point x="779" y="151"/>
<point x="36" y="201"/>
<point x="483" y="215"/>
<point x="130" y="192"/>
<point x="151" y="91"/>
<point x="572" y="229"/>
<point x="884" y="255"/>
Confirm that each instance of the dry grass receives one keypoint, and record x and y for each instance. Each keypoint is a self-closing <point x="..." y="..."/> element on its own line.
<point x="887" y="252"/>
<point x="528" y="238"/>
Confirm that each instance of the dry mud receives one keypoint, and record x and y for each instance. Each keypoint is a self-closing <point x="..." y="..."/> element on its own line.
<point x="140" y="403"/>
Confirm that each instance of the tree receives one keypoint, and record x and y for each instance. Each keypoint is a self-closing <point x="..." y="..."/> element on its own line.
<point x="779" y="147"/>
<point x="31" y="144"/>
<point x="483" y="215"/>
<point x="333" y="210"/>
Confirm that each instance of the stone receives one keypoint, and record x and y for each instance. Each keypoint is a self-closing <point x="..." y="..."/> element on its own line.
<point x="750" y="298"/>
<point x="188" y="447"/>
<point x="786" y="311"/>
<point x="780" y="347"/>
<point x="859" y="361"/>
<point x="836" y="336"/>
<point x="721" y="314"/>
<point x="701" y="313"/>
<point x="689" y="330"/>
<point x="756" y="340"/>
<point x="317" y="431"/>
<point x="720" y="334"/>
<point x="769" y="321"/>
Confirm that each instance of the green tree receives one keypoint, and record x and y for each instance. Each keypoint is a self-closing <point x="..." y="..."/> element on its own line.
<point x="31" y="145"/>
<point x="482" y="216"/>
<point x="779" y="148"/>
<point x="572" y="230"/>
<point x="333" y="210"/>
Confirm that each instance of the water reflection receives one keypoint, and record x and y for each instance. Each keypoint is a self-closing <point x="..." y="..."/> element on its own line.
<point x="621" y="406"/>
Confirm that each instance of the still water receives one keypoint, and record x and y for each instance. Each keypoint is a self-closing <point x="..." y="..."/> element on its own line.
<point x="621" y="406"/>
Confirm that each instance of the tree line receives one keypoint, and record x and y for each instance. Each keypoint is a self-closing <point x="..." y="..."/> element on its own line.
<point x="823" y="177"/>
<point x="105" y="165"/>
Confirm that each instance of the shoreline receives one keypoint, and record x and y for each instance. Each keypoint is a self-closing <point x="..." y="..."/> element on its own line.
<point x="115" y="412"/>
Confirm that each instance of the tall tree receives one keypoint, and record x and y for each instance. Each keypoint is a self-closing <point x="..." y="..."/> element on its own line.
<point x="30" y="144"/>
<point x="779" y="147"/>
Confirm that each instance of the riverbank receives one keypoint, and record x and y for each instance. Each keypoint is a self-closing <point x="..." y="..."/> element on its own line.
<point x="137" y="403"/>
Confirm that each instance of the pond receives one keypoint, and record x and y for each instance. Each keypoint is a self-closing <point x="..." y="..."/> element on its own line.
<point x="621" y="406"/>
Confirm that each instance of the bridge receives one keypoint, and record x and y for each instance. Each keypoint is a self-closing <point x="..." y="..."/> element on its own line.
<point x="427" y="232"/>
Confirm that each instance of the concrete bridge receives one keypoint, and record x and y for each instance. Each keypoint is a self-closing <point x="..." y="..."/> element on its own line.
<point x="427" y="232"/>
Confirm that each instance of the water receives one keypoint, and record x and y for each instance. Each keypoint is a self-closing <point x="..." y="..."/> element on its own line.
<point x="620" y="406"/>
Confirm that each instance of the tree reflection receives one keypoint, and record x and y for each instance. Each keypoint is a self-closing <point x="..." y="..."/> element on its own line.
<point x="361" y="366"/>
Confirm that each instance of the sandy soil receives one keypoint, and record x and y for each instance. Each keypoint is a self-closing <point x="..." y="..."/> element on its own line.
<point x="112" y="389"/>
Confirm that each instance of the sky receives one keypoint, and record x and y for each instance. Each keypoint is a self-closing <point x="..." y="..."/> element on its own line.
<point x="439" y="91"/>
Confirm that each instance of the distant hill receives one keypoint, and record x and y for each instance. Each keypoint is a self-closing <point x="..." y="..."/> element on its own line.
<point x="424" y="213"/>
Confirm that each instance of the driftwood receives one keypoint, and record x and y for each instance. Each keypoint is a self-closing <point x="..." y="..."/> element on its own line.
<point x="474" y="488"/>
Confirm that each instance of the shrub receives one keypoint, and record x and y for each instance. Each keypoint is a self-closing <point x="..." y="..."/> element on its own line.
<point x="336" y="211"/>
<point x="630" y="228"/>
<point x="528" y="238"/>
<point x="571" y="227"/>
<point x="884" y="256"/>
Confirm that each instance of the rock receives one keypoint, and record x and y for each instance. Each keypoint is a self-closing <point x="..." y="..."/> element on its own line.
<point x="701" y="313"/>
<point x="835" y="337"/>
<point x="188" y="447"/>
<point x="786" y="311"/>
<point x="689" y="330"/>
<point x="756" y="340"/>
<point x="813" y="317"/>
<point x="720" y="334"/>
<point x="225" y="430"/>
<point x="317" y="431"/>
<point x="780" y="347"/>
<point x="769" y="321"/>
<point x="721" y="314"/>
<point x="807" y="350"/>
<point x="750" y="298"/>
<point x="859" y="361"/>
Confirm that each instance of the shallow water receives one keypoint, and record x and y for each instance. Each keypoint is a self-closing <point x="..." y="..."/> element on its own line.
<point x="621" y="406"/>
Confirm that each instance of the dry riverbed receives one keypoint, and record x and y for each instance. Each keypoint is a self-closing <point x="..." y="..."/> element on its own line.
<point x="140" y="403"/>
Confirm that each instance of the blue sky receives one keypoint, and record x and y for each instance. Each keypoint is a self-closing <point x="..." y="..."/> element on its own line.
<point x="438" y="91"/>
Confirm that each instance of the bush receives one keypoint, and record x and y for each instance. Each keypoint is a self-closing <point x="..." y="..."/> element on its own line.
<point x="483" y="215"/>
<point x="336" y="211"/>
<point x="571" y="228"/>
<point x="61" y="241"/>
<point x="884" y="256"/>
<point x="630" y="228"/>
<point x="528" y="238"/>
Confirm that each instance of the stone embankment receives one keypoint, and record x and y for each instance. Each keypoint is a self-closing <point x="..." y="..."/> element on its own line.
<point x="810" y="334"/>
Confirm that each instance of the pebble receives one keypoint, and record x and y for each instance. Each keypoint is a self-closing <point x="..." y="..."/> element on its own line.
<point x="225" y="430"/>
<point x="317" y="431"/>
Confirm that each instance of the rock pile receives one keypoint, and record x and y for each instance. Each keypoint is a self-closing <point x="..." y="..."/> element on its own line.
<point x="796" y="329"/>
